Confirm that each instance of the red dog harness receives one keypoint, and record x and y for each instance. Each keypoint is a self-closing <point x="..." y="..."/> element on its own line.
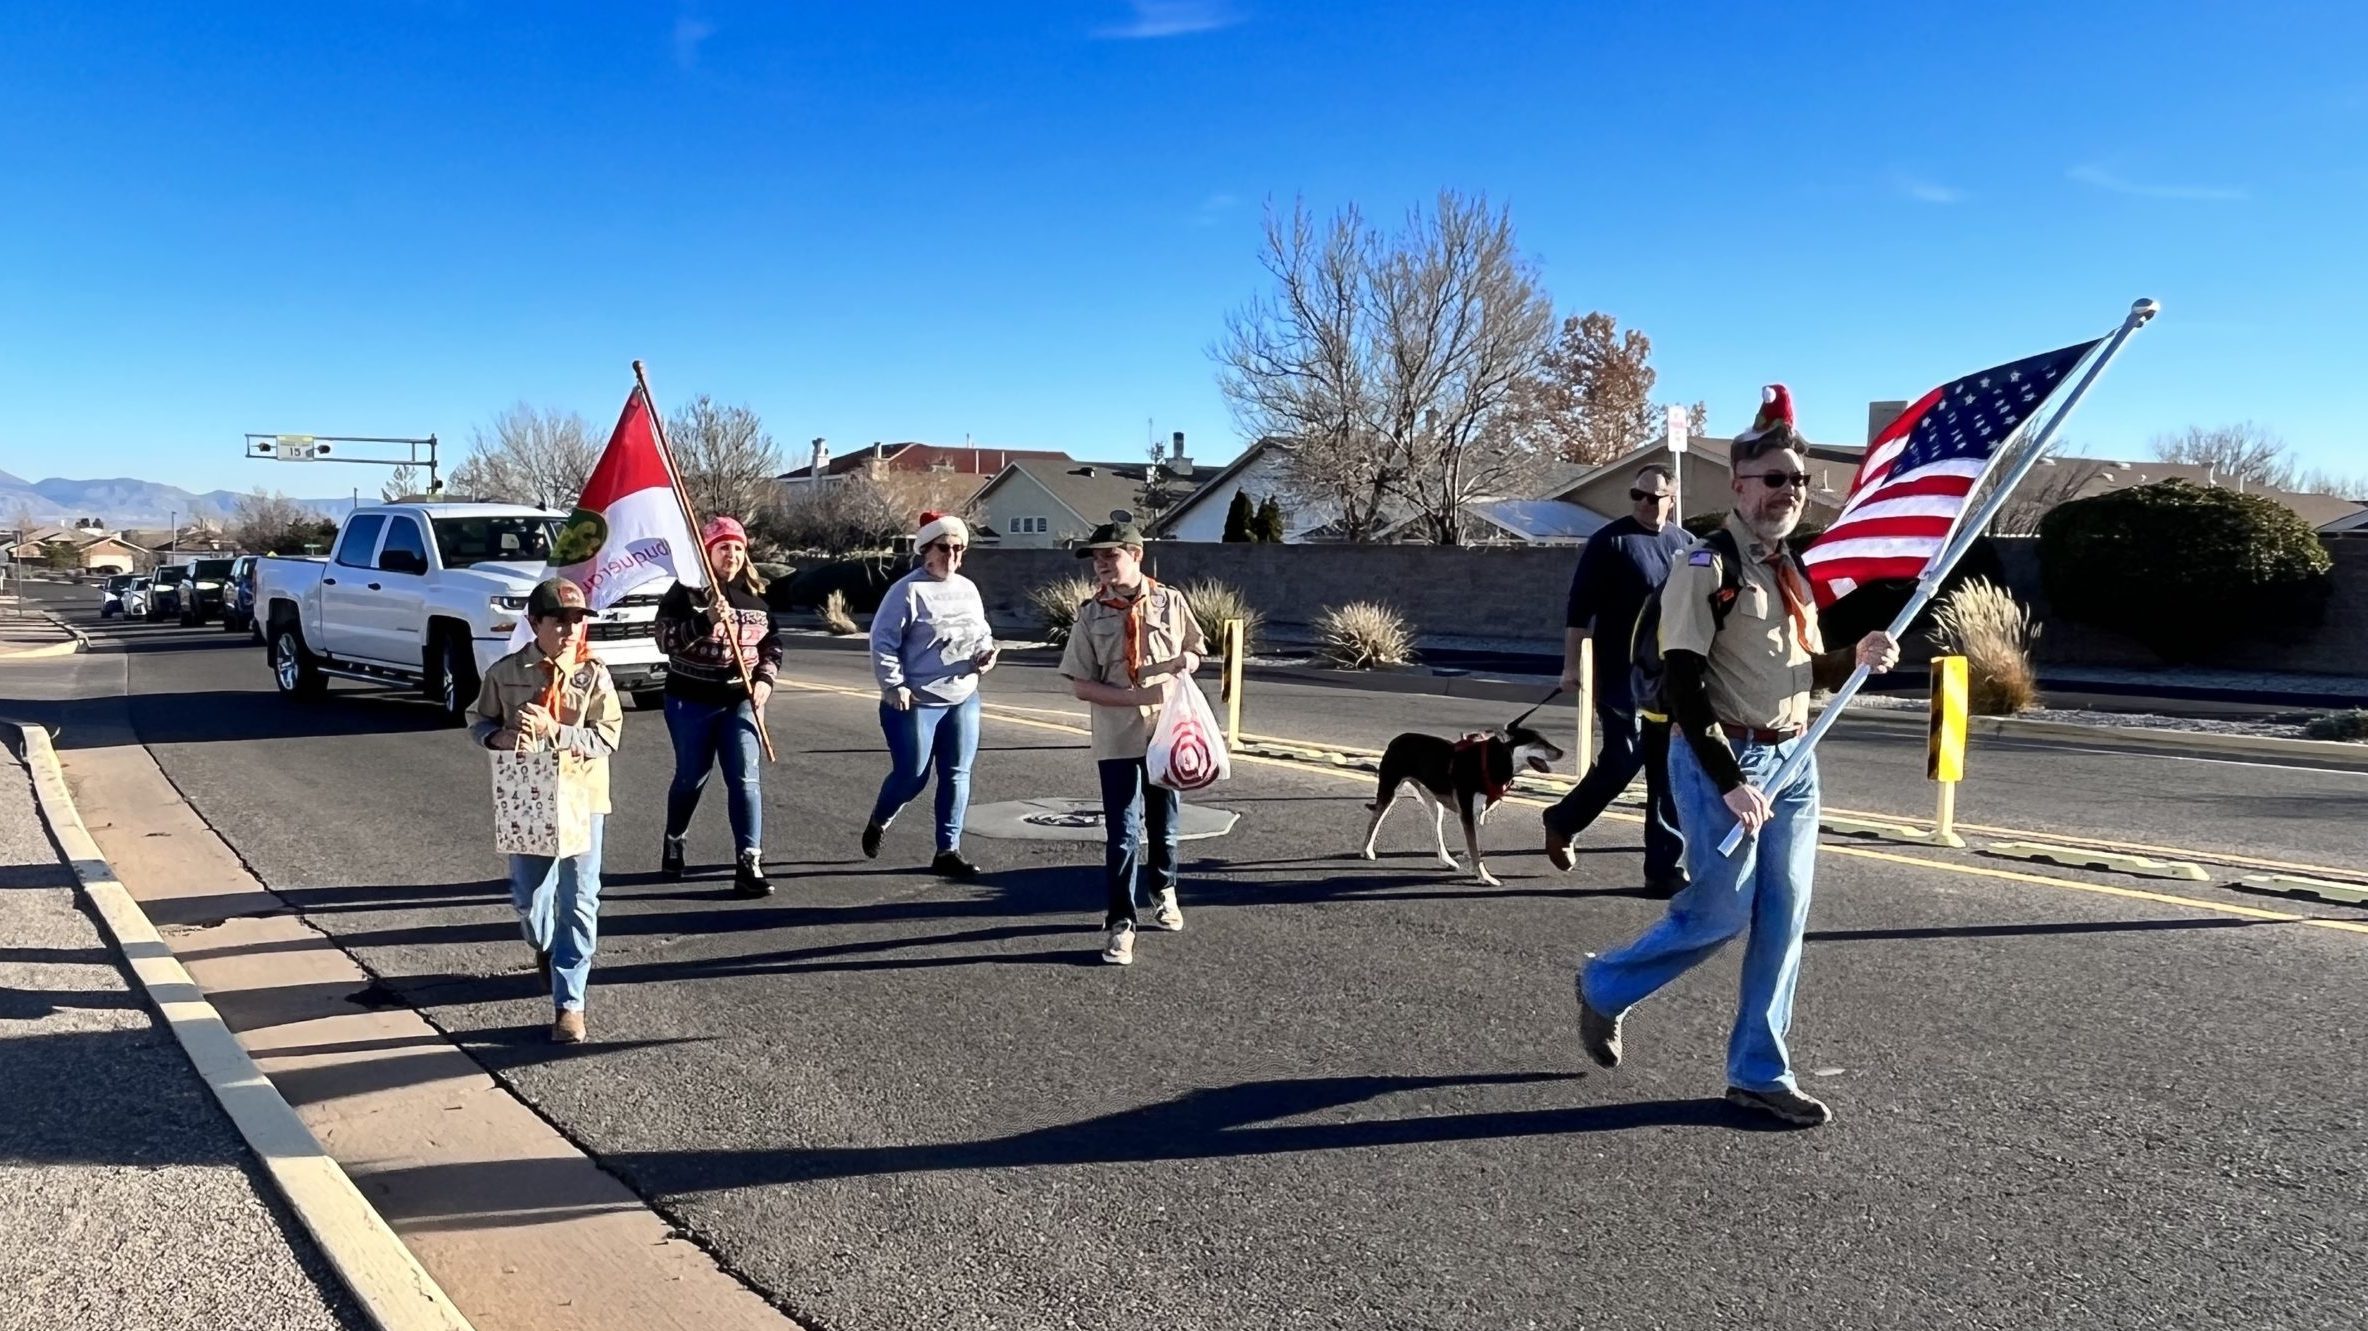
<point x="1491" y="789"/>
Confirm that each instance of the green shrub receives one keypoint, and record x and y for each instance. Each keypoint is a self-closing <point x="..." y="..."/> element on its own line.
<point x="1213" y="603"/>
<point x="1362" y="635"/>
<point x="1056" y="605"/>
<point x="2351" y="725"/>
<point x="2185" y="569"/>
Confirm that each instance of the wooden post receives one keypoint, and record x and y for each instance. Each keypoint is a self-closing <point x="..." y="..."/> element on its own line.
<point x="1586" y="701"/>
<point x="1234" y="651"/>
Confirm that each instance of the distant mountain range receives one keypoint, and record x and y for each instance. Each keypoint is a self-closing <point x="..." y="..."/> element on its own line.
<point x="121" y="501"/>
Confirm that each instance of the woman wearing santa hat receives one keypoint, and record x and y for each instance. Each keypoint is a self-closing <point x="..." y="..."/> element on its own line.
<point x="710" y="713"/>
<point x="930" y="644"/>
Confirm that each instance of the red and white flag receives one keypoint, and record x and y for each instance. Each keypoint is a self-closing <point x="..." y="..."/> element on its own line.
<point x="627" y="529"/>
<point x="1920" y="471"/>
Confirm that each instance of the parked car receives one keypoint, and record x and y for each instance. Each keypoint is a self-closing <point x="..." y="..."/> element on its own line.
<point x="429" y="595"/>
<point x="164" y="590"/>
<point x="111" y="594"/>
<point x="203" y="585"/>
<point x="135" y="597"/>
<point x="238" y="599"/>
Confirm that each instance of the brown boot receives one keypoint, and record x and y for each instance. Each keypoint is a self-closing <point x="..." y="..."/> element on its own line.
<point x="568" y="1029"/>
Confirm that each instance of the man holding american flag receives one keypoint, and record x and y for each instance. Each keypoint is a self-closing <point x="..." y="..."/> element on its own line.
<point x="1742" y="652"/>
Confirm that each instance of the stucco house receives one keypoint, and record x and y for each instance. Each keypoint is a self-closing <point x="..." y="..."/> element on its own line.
<point x="1045" y="503"/>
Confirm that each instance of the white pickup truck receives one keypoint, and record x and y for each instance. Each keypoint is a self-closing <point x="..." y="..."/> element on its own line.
<point x="426" y="595"/>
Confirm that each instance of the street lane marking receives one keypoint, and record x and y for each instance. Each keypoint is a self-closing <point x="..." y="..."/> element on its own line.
<point x="1972" y="870"/>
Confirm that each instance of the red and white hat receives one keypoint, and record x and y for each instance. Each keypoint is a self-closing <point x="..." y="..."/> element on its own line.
<point x="939" y="526"/>
<point x="1775" y="410"/>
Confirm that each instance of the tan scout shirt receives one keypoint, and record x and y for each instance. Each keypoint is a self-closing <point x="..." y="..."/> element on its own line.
<point x="587" y="702"/>
<point x="1097" y="651"/>
<point x="1760" y="672"/>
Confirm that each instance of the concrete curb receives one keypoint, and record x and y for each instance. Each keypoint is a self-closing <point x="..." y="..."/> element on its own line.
<point x="80" y="642"/>
<point x="393" y="1290"/>
<point x="2333" y="752"/>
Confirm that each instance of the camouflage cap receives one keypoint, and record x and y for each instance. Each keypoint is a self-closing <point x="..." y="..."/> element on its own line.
<point x="553" y="596"/>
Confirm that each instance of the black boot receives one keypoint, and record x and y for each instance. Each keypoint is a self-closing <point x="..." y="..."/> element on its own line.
<point x="872" y="832"/>
<point x="950" y="864"/>
<point x="749" y="879"/>
<point x="670" y="859"/>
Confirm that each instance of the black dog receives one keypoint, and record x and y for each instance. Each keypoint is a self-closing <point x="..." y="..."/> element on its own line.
<point x="1475" y="769"/>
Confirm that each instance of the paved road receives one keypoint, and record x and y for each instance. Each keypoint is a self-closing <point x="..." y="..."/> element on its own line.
<point x="127" y="1199"/>
<point x="1347" y="1096"/>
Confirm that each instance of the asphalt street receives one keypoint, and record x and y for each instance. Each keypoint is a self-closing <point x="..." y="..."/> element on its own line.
<point x="127" y="1199"/>
<point x="1348" y="1095"/>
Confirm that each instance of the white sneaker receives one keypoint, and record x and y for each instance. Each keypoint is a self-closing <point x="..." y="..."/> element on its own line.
<point x="1120" y="950"/>
<point x="1166" y="915"/>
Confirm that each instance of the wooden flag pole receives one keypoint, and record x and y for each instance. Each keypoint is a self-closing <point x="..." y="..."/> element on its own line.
<point x="716" y="604"/>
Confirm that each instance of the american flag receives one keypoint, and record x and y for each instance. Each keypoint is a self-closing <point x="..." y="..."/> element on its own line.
<point x="1920" y="471"/>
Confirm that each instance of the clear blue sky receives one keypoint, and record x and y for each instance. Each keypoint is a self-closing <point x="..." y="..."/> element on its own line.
<point x="1026" y="221"/>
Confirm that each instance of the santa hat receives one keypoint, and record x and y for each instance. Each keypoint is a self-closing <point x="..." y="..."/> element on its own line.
<point x="1775" y="411"/>
<point x="940" y="526"/>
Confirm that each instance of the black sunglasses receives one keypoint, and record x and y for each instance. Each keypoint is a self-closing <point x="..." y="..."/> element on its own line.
<point x="1641" y="495"/>
<point x="1777" y="480"/>
<point x="949" y="549"/>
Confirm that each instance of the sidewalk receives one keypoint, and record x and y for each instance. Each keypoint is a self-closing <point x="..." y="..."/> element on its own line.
<point x="127" y="1199"/>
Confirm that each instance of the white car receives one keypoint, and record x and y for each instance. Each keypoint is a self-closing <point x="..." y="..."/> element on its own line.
<point x="428" y="595"/>
<point x="111" y="594"/>
<point x="133" y="602"/>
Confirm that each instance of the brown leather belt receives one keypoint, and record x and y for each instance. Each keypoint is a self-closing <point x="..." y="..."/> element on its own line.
<point x="1755" y="735"/>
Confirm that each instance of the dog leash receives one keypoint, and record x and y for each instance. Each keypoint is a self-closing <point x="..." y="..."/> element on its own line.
<point x="1538" y="704"/>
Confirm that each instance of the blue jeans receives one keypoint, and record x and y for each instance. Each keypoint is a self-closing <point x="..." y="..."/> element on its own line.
<point x="918" y="735"/>
<point x="558" y="902"/>
<point x="1128" y="801"/>
<point x="1764" y="888"/>
<point x="702" y="733"/>
<point x="1630" y="744"/>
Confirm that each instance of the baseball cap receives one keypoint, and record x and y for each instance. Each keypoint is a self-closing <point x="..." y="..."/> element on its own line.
<point x="1109" y="536"/>
<point x="553" y="596"/>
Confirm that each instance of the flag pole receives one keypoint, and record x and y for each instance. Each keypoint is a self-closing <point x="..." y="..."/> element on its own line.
<point x="716" y="604"/>
<point x="1969" y="528"/>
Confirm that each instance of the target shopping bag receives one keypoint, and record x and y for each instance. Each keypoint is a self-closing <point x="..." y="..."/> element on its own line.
<point x="1187" y="750"/>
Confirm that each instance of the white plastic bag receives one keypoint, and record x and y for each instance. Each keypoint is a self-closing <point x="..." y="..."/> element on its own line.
<point x="542" y="803"/>
<point x="1187" y="749"/>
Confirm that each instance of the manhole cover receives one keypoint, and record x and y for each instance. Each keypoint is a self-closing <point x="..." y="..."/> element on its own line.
<point x="1058" y="819"/>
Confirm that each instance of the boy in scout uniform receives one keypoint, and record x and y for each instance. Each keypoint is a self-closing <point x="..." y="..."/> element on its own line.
<point x="1128" y="637"/>
<point x="553" y="694"/>
<point x="1742" y="652"/>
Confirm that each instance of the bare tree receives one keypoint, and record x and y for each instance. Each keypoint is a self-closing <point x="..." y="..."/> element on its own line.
<point x="529" y="455"/>
<point x="729" y="464"/>
<point x="1591" y="398"/>
<point x="2326" y="481"/>
<point x="2243" y="453"/>
<point x="401" y="482"/>
<point x="21" y="521"/>
<point x="1389" y="362"/>
<point x="851" y="515"/>
<point x="2054" y="481"/>
<point x="269" y="522"/>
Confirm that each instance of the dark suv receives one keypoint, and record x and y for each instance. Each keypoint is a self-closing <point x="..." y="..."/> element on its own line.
<point x="203" y="583"/>
<point x="238" y="598"/>
<point x="164" y="591"/>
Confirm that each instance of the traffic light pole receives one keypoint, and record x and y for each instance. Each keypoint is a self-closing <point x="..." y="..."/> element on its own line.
<point x="317" y="448"/>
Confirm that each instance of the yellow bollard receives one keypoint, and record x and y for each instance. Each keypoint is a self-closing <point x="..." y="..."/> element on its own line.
<point x="1944" y="759"/>
<point x="1586" y="702"/>
<point x="1233" y="683"/>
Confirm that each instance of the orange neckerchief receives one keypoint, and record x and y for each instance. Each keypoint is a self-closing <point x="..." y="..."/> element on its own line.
<point x="549" y="698"/>
<point x="1798" y="596"/>
<point x="1134" y="626"/>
